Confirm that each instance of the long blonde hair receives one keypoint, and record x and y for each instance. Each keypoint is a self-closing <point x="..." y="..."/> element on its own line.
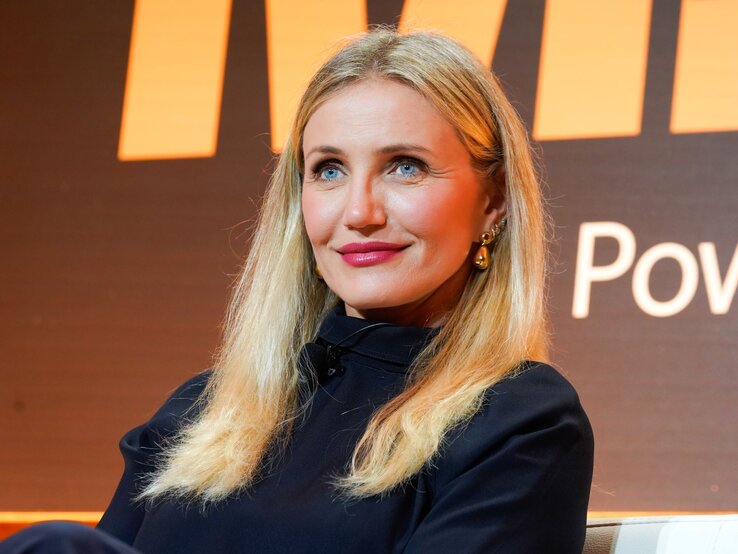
<point x="252" y="400"/>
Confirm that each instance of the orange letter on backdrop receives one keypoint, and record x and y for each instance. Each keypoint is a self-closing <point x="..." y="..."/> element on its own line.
<point x="300" y="35"/>
<point x="175" y="79"/>
<point x="475" y="23"/>
<point x="593" y="69"/>
<point x="706" y="77"/>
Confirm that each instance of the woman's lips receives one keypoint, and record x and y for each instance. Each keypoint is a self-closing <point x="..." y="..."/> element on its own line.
<point x="360" y="254"/>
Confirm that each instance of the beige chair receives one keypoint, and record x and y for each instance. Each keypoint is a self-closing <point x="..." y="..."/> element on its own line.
<point x="694" y="534"/>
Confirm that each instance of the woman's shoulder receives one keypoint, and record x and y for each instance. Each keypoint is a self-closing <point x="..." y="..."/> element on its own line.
<point x="535" y="395"/>
<point x="535" y="411"/>
<point x="529" y="386"/>
<point x="181" y="406"/>
<point x="184" y="397"/>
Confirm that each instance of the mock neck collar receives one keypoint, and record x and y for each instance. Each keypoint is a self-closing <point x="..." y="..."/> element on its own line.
<point x="395" y="344"/>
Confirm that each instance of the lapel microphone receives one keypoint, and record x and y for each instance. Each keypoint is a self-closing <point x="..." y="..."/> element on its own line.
<point x="325" y="356"/>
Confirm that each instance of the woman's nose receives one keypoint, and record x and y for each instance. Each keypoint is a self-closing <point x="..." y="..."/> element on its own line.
<point x="364" y="205"/>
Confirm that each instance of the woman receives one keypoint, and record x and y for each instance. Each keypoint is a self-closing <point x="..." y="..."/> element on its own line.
<point x="376" y="390"/>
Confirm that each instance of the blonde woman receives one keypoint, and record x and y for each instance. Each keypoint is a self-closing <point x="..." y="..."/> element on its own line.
<point x="381" y="385"/>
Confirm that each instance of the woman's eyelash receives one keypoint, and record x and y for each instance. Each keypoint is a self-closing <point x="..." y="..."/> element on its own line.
<point x="322" y="165"/>
<point x="421" y="165"/>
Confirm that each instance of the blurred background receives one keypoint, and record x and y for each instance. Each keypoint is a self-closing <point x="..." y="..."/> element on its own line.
<point x="136" y="139"/>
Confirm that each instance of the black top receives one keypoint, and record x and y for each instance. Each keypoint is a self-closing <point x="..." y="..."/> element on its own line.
<point x="515" y="480"/>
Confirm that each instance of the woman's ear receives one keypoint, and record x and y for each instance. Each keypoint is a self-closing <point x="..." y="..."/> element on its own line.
<point x="496" y="208"/>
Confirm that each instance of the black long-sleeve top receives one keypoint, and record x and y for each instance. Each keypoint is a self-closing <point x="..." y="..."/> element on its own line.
<point x="514" y="480"/>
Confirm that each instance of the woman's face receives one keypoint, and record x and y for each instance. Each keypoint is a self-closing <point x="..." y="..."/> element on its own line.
<point x="392" y="204"/>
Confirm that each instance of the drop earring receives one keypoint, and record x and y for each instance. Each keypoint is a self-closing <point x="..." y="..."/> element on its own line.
<point x="317" y="272"/>
<point x="481" y="258"/>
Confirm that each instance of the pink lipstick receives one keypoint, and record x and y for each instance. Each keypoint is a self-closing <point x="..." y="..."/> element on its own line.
<point x="361" y="254"/>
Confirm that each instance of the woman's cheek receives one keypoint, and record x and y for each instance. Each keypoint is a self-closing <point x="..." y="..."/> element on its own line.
<point x="316" y="221"/>
<point x="433" y="216"/>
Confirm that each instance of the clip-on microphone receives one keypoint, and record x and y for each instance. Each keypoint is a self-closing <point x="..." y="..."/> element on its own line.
<point x="328" y="363"/>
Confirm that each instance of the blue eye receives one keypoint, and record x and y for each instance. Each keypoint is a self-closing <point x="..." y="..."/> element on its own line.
<point x="329" y="173"/>
<point x="328" y="170"/>
<point x="407" y="168"/>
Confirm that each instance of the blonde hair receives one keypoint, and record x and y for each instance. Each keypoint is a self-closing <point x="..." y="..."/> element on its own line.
<point x="252" y="400"/>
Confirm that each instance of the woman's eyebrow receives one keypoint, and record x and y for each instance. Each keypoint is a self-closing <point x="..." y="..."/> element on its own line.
<point x="389" y="149"/>
<point x="325" y="150"/>
<point x="403" y="147"/>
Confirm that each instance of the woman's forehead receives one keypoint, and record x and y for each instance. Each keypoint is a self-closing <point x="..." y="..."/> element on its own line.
<point x="378" y="116"/>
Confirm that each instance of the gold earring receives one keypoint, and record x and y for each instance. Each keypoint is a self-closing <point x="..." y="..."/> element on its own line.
<point x="317" y="272"/>
<point x="481" y="258"/>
